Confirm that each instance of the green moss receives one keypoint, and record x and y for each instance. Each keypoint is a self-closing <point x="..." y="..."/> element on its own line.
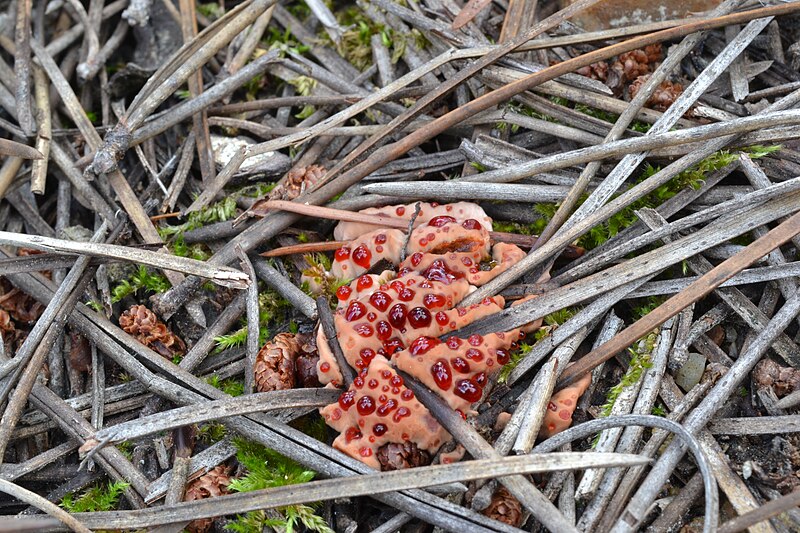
<point x="142" y="279"/>
<point x="96" y="499"/>
<point x="265" y="469"/>
<point x="230" y="386"/>
<point x="640" y="361"/>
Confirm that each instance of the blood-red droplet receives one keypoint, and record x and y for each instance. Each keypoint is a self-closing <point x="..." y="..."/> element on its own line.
<point x="365" y="452"/>
<point x="475" y="340"/>
<point x="433" y="300"/>
<point x="400" y="211"/>
<point x="380" y="300"/>
<point x="422" y="345"/>
<point x="363" y="329"/>
<point x="441" y="374"/>
<point x="386" y="374"/>
<point x="373" y="383"/>
<point x="460" y="365"/>
<point x="358" y="381"/>
<point x="362" y="256"/>
<point x="380" y="238"/>
<point x="342" y="254"/>
<point x="453" y="343"/>
<point x="355" y="311"/>
<point x="406" y="295"/>
<point x="416" y="258"/>
<point x="407" y="395"/>
<point x="383" y="329"/>
<point x="397" y="315"/>
<point x="419" y="317"/>
<point x="401" y="413"/>
<point x="364" y="282"/>
<point x="365" y="405"/>
<point x="480" y="379"/>
<point x="325" y="367"/>
<point x="466" y="261"/>
<point x="347" y="399"/>
<point x="441" y="318"/>
<point x="474" y="355"/>
<point x="367" y="354"/>
<point x="440" y="221"/>
<point x="352" y="433"/>
<point x="438" y="271"/>
<point x="468" y="390"/>
<point x="503" y="356"/>
<point x="343" y="292"/>
<point x="396" y="381"/>
<point x="471" y="224"/>
<point x="379" y="429"/>
<point x="392" y="346"/>
<point x="388" y="407"/>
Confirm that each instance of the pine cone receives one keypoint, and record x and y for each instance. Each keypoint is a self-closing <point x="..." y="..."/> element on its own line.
<point x="769" y="374"/>
<point x="663" y="97"/>
<point x="297" y="181"/>
<point x="274" y="367"/>
<point x="395" y="456"/>
<point x="504" y="508"/>
<point x="212" y="484"/>
<point x="596" y="71"/>
<point x="143" y="324"/>
<point x="631" y="65"/>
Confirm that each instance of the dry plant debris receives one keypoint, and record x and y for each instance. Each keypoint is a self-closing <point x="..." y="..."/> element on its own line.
<point x="543" y="217"/>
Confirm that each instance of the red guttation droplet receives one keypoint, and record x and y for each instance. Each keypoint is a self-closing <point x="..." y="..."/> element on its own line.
<point x="438" y="271"/>
<point x="343" y="292"/>
<point x="342" y="254"/>
<point x="388" y="407"/>
<point x="397" y="315"/>
<point x="468" y="390"/>
<point x="380" y="300"/>
<point x="365" y="405"/>
<point x="365" y="330"/>
<point x="438" y="222"/>
<point x="379" y="429"/>
<point x="471" y="224"/>
<point x="460" y="365"/>
<point x="347" y="399"/>
<point x="352" y="433"/>
<point x="364" y="282"/>
<point x="355" y="311"/>
<point x="362" y="256"/>
<point x="383" y="329"/>
<point x="422" y="345"/>
<point x="441" y="374"/>
<point x="434" y="300"/>
<point x="419" y="317"/>
<point x="503" y="356"/>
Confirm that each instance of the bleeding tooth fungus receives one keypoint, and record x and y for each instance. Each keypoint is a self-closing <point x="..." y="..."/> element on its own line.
<point x="395" y="320"/>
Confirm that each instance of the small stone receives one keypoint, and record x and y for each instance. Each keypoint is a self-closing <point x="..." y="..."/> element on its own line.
<point x="691" y="372"/>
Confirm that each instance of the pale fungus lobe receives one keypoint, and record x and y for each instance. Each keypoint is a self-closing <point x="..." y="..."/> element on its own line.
<point x="561" y="407"/>
<point x="401" y="320"/>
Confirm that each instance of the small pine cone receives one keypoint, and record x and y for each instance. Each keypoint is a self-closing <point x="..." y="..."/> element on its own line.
<point x="210" y="485"/>
<point x="394" y="456"/>
<point x="143" y="324"/>
<point x="274" y="368"/>
<point x="596" y="71"/>
<point x="769" y="374"/>
<point x="654" y="52"/>
<point x="297" y="181"/>
<point x="504" y="508"/>
<point x="663" y="97"/>
<point x="305" y="366"/>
